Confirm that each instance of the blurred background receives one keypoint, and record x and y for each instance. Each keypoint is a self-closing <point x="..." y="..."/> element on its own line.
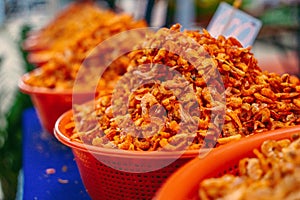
<point x="277" y="49"/>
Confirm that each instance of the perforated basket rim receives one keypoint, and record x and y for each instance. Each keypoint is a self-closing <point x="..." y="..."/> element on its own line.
<point x="193" y="172"/>
<point x="59" y="134"/>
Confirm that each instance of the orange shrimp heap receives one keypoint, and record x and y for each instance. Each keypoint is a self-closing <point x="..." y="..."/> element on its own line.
<point x="68" y="40"/>
<point x="255" y="101"/>
<point x="272" y="174"/>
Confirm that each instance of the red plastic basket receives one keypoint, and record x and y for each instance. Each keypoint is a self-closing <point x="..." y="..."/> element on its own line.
<point x="49" y="103"/>
<point x="184" y="184"/>
<point x="120" y="174"/>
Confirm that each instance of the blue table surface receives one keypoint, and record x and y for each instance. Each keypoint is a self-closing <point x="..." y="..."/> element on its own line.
<point x="42" y="151"/>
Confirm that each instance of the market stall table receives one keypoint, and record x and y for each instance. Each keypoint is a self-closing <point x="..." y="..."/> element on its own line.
<point x="49" y="168"/>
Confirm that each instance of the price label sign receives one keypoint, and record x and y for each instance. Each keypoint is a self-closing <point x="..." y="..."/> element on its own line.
<point x="229" y="21"/>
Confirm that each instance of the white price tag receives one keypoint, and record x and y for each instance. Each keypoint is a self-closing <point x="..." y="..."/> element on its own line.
<point x="229" y="21"/>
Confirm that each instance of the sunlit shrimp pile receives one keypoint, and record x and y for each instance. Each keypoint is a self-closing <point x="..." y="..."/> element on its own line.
<point x="66" y="43"/>
<point x="274" y="173"/>
<point x="183" y="105"/>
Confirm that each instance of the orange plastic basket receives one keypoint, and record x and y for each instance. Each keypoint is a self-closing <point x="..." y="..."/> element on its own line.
<point x="120" y="174"/>
<point x="49" y="103"/>
<point x="184" y="183"/>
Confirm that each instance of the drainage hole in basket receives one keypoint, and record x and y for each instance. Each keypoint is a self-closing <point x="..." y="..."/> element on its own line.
<point x="222" y="173"/>
<point x="120" y="169"/>
<point x="233" y="170"/>
<point x="118" y="177"/>
<point x="144" y="177"/>
<point x="236" y="170"/>
<point x="164" y="176"/>
<point x="141" y="181"/>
